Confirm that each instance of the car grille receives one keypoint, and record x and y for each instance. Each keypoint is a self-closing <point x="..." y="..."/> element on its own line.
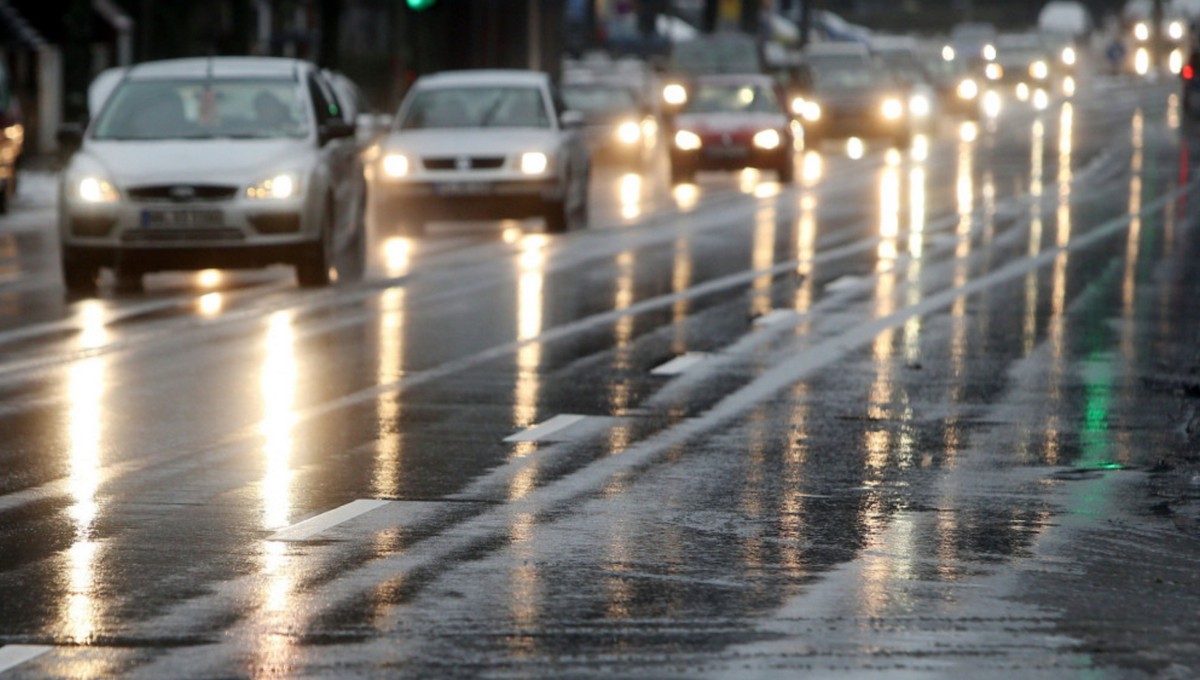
<point x="471" y="162"/>
<point x="182" y="192"/>
<point x="173" y="235"/>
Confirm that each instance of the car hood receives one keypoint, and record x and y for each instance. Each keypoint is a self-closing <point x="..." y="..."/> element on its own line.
<point x="729" y="122"/>
<point x="209" y="161"/>
<point x="471" y="141"/>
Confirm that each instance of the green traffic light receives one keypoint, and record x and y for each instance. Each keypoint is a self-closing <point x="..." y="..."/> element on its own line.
<point x="420" y="4"/>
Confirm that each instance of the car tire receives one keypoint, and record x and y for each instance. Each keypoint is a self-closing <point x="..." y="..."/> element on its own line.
<point x="312" y="269"/>
<point x="557" y="219"/>
<point x="7" y="190"/>
<point x="79" y="277"/>
<point x="786" y="172"/>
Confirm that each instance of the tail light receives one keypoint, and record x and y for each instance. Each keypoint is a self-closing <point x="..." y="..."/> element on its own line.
<point x="1188" y="72"/>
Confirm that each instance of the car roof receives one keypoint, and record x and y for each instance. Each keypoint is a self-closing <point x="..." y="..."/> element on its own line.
<point x="219" y="67"/>
<point x="478" y="77"/>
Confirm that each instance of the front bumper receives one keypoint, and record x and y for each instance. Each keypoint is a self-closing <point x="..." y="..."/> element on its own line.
<point x="466" y="199"/>
<point x="157" y="235"/>
<point x="732" y="157"/>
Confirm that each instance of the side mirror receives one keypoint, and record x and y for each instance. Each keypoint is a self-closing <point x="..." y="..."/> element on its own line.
<point x="572" y="120"/>
<point x="336" y="130"/>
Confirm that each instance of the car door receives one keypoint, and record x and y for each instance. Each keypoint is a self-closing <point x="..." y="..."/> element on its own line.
<point x="339" y="156"/>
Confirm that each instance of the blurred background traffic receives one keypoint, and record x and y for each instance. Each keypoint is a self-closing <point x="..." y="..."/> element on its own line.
<point x="621" y="61"/>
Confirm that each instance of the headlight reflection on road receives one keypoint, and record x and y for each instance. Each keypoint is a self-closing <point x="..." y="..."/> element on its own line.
<point x="397" y="253"/>
<point x="855" y="148"/>
<point x="629" y="193"/>
<point x="84" y="427"/>
<point x="686" y="196"/>
<point x="530" y="293"/>
<point x="278" y="384"/>
<point x="811" y="168"/>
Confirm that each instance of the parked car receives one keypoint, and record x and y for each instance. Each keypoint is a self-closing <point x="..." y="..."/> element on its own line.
<point x="211" y="162"/>
<point x="482" y="144"/>
<point x="12" y="140"/>
<point x="731" y="122"/>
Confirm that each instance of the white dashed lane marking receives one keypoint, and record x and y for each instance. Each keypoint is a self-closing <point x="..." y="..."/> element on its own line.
<point x="550" y="430"/>
<point x="315" y="525"/>
<point x="680" y="363"/>
<point x="15" y="655"/>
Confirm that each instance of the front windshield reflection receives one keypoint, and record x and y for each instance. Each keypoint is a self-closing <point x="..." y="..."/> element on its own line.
<point x="203" y="109"/>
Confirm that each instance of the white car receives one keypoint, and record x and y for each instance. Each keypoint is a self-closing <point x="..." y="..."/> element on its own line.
<point x="219" y="162"/>
<point x="483" y="144"/>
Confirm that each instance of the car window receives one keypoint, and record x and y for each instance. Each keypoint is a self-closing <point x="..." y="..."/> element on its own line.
<point x="710" y="98"/>
<point x="851" y="78"/>
<point x="479" y="106"/>
<point x="325" y="103"/>
<point x="203" y="108"/>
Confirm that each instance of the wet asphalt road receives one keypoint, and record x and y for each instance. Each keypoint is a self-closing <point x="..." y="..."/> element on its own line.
<point x="923" y="414"/>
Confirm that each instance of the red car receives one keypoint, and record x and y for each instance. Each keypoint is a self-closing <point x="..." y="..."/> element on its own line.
<point x="732" y="122"/>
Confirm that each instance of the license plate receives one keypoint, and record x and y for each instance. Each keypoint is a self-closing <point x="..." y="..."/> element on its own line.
<point x="462" y="188"/>
<point x="727" y="151"/>
<point x="168" y="219"/>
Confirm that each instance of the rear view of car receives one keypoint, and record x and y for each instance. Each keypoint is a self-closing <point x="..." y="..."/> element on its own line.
<point x="222" y="162"/>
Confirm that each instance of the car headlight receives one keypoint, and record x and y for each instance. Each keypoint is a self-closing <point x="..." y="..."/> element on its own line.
<point x="96" y="190"/>
<point x="892" y="108"/>
<point x="1069" y="56"/>
<point x="281" y="186"/>
<point x="994" y="71"/>
<point x="1175" y="30"/>
<point x="534" y="163"/>
<point x="919" y="105"/>
<point x="629" y="132"/>
<point x="687" y="140"/>
<point x="675" y="94"/>
<point x="395" y="165"/>
<point x="1039" y="69"/>
<point x="812" y="111"/>
<point x="798" y="106"/>
<point x="767" y="139"/>
<point x="968" y="89"/>
<point x="988" y="52"/>
<point x="1141" y="31"/>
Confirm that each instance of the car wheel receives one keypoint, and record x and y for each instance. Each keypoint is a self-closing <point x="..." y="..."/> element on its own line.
<point x="786" y="170"/>
<point x="7" y="189"/>
<point x="579" y="217"/>
<point x="79" y="278"/>
<point x="556" y="217"/>
<point x="312" y="269"/>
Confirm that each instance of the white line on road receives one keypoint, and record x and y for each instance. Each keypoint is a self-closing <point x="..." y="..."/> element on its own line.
<point x="680" y="363"/>
<point x="15" y="655"/>
<point x="775" y="316"/>
<point x="543" y="432"/>
<point x="315" y="525"/>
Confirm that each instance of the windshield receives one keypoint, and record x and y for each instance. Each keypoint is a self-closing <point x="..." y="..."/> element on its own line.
<point x="202" y="109"/>
<point x="481" y="106"/>
<point x="850" y="78"/>
<point x="715" y="56"/>
<point x="592" y="99"/>
<point x="709" y="98"/>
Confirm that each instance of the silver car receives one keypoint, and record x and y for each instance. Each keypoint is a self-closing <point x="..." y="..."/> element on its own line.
<point x="222" y="162"/>
<point x="485" y="144"/>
